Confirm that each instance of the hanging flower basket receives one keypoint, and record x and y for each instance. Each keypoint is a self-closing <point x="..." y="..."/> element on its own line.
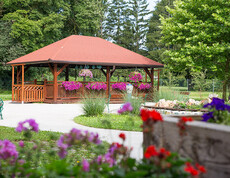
<point x="135" y="77"/>
<point x="85" y="73"/>
<point x="70" y="86"/>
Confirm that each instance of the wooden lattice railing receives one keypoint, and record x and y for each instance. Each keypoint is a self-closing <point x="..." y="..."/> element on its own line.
<point x="32" y="93"/>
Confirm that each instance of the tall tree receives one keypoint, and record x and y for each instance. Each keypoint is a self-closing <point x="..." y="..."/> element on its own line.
<point x="200" y="30"/>
<point x="139" y="19"/>
<point x="115" y="20"/>
<point x="155" y="47"/>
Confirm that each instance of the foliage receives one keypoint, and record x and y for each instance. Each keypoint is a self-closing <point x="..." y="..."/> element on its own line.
<point x="139" y="12"/>
<point x="219" y="112"/>
<point x="182" y="105"/>
<point x="169" y="94"/>
<point x="200" y="31"/>
<point x="111" y="121"/>
<point x="94" y="105"/>
<point x="5" y="95"/>
<point x="156" y="47"/>
<point x="199" y="81"/>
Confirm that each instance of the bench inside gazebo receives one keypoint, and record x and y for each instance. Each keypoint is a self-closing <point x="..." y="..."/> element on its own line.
<point x="77" y="52"/>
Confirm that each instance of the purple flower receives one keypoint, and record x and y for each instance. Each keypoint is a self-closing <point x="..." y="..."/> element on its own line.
<point x="21" y="144"/>
<point x="207" y="116"/>
<point x="119" y="86"/>
<point x="144" y="86"/>
<point x="216" y="103"/>
<point x="29" y="124"/>
<point x="74" y="137"/>
<point x="71" y="85"/>
<point x="135" y="77"/>
<point x="85" y="165"/>
<point x="96" y="86"/>
<point x="8" y="150"/>
<point x="127" y="107"/>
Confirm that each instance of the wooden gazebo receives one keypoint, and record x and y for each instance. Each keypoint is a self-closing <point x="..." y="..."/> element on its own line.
<point x="72" y="52"/>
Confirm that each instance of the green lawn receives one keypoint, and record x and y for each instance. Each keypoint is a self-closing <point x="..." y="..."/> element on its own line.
<point x="10" y="134"/>
<point x="111" y="121"/>
<point x="5" y="95"/>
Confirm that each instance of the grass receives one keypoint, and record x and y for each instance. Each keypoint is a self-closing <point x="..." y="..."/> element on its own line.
<point x="111" y="121"/>
<point x="5" y="95"/>
<point x="10" y="134"/>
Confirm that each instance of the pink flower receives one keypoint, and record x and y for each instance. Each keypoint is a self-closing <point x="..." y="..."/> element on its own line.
<point x="21" y="144"/>
<point x="29" y="124"/>
<point x="8" y="150"/>
<point x="85" y="165"/>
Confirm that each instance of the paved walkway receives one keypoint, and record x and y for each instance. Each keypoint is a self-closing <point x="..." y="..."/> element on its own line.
<point x="59" y="117"/>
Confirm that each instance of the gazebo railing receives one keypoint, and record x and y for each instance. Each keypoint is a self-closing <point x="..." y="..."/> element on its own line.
<point x="31" y="93"/>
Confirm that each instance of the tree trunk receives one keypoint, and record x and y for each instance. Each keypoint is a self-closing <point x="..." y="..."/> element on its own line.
<point x="226" y="80"/>
<point x="229" y="91"/>
<point x="225" y="90"/>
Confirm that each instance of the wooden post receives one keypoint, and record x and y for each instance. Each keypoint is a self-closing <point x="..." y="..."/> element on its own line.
<point x="146" y="77"/>
<point x="55" y="84"/>
<point x="158" y="82"/>
<point x="152" y="78"/>
<point x="18" y="74"/>
<point x="22" y="84"/>
<point x="35" y="81"/>
<point x="67" y="74"/>
<point x="108" y="81"/>
<point x="44" y="89"/>
<point x="12" y="83"/>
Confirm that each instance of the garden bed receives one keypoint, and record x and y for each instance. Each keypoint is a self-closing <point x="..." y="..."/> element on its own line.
<point x="111" y="121"/>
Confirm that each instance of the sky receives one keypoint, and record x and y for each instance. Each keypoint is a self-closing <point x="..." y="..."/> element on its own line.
<point x="152" y="4"/>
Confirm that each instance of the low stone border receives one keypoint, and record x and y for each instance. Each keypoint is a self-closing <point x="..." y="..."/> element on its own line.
<point x="205" y="143"/>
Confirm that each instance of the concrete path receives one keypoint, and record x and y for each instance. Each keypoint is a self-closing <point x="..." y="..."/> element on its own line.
<point x="59" y="117"/>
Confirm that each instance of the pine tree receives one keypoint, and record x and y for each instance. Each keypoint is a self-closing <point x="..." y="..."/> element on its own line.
<point x="154" y="46"/>
<point x="115" y="21"/>
<point x="139" y="19"/>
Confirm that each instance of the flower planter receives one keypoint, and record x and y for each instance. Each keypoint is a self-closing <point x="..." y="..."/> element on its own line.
<point x="205" y="143"/>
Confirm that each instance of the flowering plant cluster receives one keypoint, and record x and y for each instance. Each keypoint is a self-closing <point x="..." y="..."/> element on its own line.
<point x="143" y="86"/>
<point x="85" y="73"/>
<point x="71" y="85"/>
<point x="116" y="162"/>
<point x="219" y="112"/>
<point x="119" y="86"/>
<point x="135" y="77"/>
<point x="74" y="137"/>
<point x="127" y="107"/>
<point x="96" y="86"/>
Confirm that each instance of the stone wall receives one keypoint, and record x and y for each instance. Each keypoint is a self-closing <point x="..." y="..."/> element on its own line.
<point x="205" y="143"/>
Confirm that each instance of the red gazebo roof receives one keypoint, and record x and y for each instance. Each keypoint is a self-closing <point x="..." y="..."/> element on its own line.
<point x="82" y="50"/>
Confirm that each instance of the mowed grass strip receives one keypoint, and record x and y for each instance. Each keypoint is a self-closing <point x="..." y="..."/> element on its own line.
<point x="5" y="95"/>
<point x="8" y="133"/>
<point x="111" y="121"/>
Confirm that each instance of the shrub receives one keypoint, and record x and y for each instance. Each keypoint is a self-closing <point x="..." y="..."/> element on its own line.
<point x="135" y="102"/>
<point x="169" y="94"/>
<point x="94" y="105"/>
